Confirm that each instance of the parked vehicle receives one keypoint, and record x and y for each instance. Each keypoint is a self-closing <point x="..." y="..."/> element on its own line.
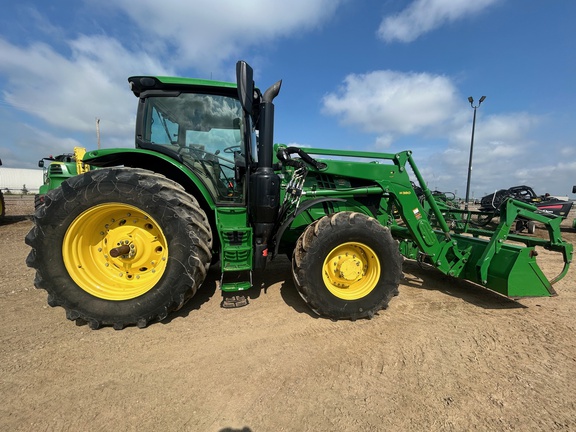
<point x="544" y="203"/>
<point x="58" y="169"/>
<point x="130" y="242"/>
<point x="490" y="205"/>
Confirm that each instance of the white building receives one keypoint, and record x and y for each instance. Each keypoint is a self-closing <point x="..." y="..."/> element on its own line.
<point x="14" y="179"/>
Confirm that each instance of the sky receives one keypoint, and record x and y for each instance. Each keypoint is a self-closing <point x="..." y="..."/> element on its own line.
<point x="373" y="75"/>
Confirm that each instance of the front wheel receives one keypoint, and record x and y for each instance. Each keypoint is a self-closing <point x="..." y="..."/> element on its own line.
<point x="347" y="266"/>
<point x="119" y="247"/>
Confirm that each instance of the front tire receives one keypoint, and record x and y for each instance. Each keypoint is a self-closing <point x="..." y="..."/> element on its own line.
<point x="347" y="266"/>
<point x="119" y="247"/>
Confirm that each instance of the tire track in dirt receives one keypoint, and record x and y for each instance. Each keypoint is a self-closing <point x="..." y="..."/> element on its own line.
<point x="446" y="355"/>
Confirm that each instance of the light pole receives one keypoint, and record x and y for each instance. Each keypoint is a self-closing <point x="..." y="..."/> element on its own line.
<point x="471" y="100"/>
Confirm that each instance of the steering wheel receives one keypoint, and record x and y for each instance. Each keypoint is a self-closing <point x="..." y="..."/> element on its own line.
<point x="232" y="149"/>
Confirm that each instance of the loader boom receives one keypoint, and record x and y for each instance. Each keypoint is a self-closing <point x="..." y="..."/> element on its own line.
<point x="494" y="258"/>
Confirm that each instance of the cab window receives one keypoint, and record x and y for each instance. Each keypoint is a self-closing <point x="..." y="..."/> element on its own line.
<point x="207" y="131"/>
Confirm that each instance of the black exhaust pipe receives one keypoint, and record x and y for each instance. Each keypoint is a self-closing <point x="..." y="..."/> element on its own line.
<point x="264" y="186"/>
<point x="264" y="182"/>
<point x="266" y="126"/>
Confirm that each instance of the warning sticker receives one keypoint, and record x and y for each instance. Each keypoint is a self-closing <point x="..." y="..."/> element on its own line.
<point x="417" y="213"/>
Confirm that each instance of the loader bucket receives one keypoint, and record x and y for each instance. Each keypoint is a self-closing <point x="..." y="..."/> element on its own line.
<point x="498" y="259"/>
<point x="511" y="268"/>
<point x="522" y="279"/>
<point x="512" y="271"/>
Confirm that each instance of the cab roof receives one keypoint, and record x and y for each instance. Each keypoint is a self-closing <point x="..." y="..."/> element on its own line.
<point x="139" y="84"/>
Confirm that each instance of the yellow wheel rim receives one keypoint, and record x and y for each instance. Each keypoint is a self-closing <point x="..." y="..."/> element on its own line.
<point x="115" y="251"/>
<point x="351" y="271"/>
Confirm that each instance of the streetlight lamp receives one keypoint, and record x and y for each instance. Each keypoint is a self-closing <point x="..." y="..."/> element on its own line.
<point x="471" y="100"/>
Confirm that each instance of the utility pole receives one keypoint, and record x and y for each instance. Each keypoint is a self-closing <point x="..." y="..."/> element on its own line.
<point x="98" y="132"/>
<point x="471" y="100"/>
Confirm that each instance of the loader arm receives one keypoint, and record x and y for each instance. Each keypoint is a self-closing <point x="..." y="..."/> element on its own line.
<point x="497" y="259"/>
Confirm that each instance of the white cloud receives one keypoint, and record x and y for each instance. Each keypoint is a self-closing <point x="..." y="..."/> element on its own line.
<point x="392" y="103"/>
<point x="567" y="152"/>
<point x="30" y="143"/>
<point x="70" y="93"/>
<point x="69" y="88"/>
<point x="501" y="148"/>
<point x="423" y="16"/>
<point x="495" y="135"/>
<point x="558" y="178"/>
<point x="383" y="142"/>
<point x="205" y="32"/>
<point x="395" y="106"/>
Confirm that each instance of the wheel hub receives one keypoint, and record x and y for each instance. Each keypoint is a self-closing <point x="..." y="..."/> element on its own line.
<point x="125" y="249"/>
<point x="115" y="251"/>
<point x="351" y="271"/>
<point x="349" y="268"/>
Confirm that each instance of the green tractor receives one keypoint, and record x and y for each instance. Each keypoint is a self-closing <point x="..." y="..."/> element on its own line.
<point x="58" y="169"/>
<point x="131" y="241"/>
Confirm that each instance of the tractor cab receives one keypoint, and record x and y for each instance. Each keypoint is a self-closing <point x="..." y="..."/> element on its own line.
<point x="204" y="130"/>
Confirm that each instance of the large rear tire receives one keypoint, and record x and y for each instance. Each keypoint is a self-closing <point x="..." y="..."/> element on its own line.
<point x="37" y="201"/>
<point x="347" y="266"/>
<point x="119" y="246"/>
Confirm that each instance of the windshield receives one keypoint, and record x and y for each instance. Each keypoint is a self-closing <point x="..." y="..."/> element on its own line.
<point x="207" y="131"/>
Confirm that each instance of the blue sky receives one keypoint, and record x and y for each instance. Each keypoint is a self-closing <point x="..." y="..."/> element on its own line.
<point x="385" y="75"/>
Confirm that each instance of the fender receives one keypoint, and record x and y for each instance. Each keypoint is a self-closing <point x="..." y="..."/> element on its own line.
<point x="168" y="163"/>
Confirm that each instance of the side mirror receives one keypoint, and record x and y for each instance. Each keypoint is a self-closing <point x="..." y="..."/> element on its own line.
<point x="245" y="83"/>
<point x="41" y="163"/>
<point x="574" y="189"/>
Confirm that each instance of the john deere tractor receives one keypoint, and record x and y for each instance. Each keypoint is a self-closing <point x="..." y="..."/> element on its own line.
<point x="131" y="241"/>
<point x="58" y="169"/>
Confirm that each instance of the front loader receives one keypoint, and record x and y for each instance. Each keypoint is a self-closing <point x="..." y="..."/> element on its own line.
<point x="131" y="241"/>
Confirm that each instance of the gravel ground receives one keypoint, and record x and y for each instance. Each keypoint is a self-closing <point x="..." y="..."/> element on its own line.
<point x="447" y="355"/>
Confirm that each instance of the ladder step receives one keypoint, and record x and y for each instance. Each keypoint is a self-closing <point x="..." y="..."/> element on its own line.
<point x="235" y="286"/>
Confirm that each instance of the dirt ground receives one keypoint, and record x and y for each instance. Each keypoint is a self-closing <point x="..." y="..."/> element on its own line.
<point x="446" y="355"/>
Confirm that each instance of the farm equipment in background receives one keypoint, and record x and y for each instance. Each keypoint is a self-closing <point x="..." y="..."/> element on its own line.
<point x="574" y="221"/>
<point x="59" y="169"/>
<point x="447" y="204"/>
<point x="545" y="204"/>
<point x="131" y="241"/>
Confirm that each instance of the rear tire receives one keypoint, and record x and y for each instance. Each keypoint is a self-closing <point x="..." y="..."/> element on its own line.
<point x="76" y="244"/>
<point x="347" y="266"/>
<point x="38" y="201"/>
